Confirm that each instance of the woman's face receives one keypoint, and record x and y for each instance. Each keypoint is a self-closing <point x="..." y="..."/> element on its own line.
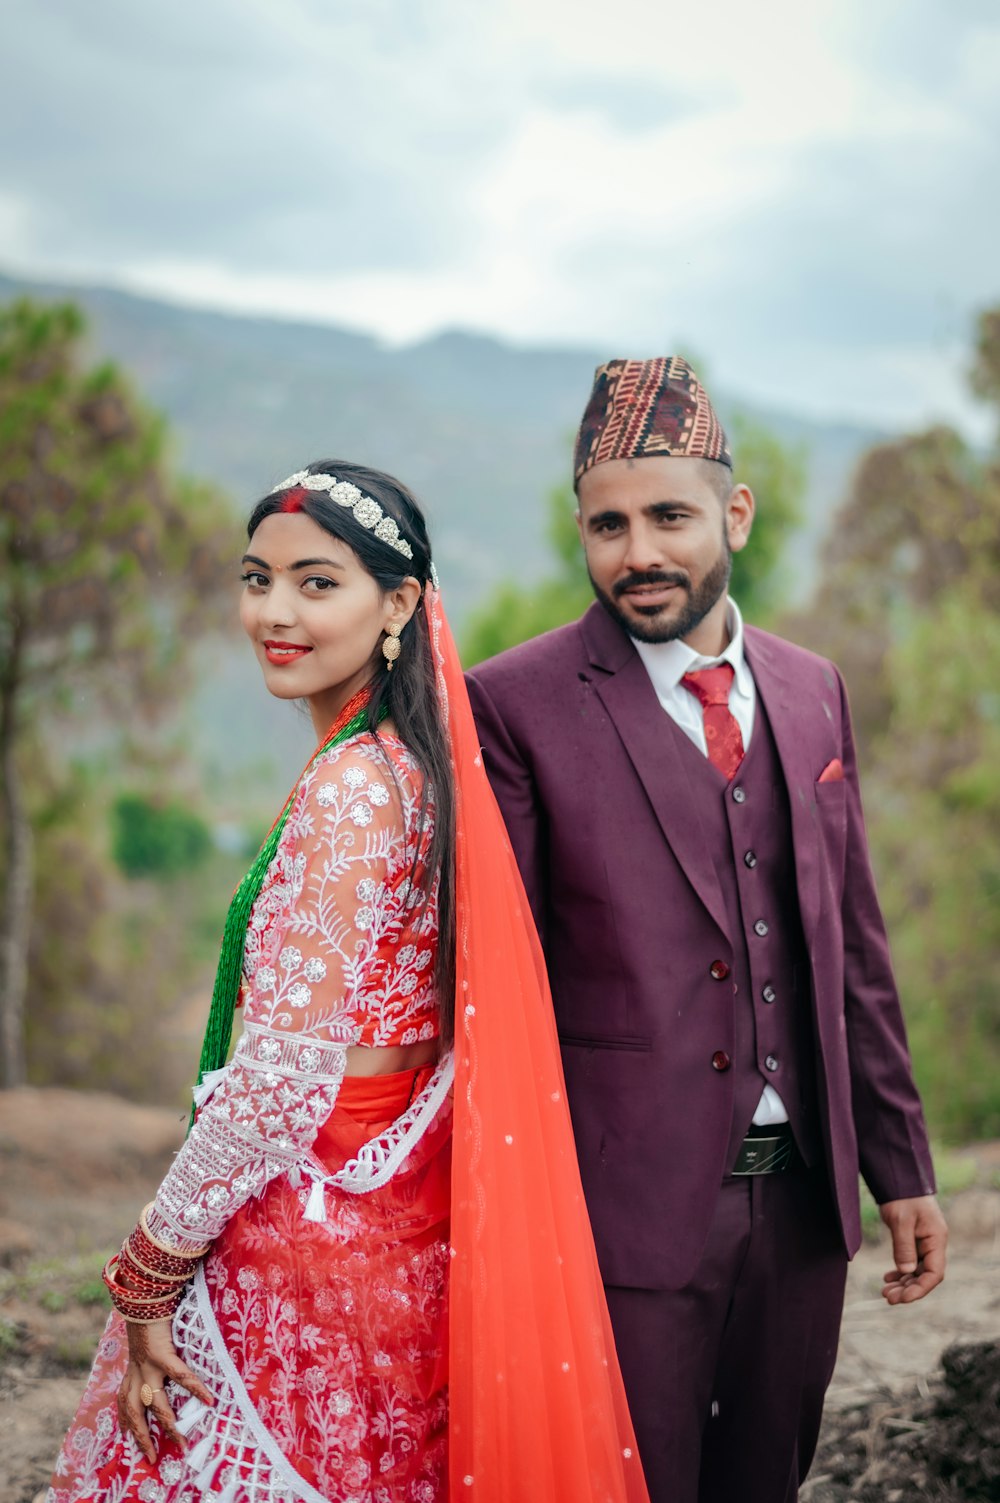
<point x="314" y="614"/>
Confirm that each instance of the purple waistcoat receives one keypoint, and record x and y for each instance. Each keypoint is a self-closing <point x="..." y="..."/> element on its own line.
<point x="748" y="825"/>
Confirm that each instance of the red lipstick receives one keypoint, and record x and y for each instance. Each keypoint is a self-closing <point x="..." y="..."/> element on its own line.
<point x="283" y="653"/>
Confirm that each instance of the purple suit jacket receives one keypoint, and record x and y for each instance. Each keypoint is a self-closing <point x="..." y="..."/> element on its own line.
<point x="606" y="830"/>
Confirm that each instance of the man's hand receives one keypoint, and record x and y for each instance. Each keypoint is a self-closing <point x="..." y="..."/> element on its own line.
<point x="919" y="1242"/>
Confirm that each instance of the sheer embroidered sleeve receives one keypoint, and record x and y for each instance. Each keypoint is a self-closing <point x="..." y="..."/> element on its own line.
<point x="335" y="891"/>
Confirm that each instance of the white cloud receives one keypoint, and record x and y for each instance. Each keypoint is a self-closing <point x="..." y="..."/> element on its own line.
<point x="797" y="190"/>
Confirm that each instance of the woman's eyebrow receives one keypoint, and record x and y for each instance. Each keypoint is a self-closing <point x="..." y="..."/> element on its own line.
<point x="303" y="563"/>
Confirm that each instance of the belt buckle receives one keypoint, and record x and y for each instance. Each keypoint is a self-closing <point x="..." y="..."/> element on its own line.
<point x="764" y="1155"/>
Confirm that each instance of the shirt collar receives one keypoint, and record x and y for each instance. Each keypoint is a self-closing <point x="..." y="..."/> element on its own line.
<point x="667" y="662"/>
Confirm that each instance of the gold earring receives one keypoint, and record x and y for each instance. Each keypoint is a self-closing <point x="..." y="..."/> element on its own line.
<point x="390" y="644"/>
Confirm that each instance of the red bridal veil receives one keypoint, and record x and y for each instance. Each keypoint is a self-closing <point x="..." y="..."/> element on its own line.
<point x="537" y="1405"/>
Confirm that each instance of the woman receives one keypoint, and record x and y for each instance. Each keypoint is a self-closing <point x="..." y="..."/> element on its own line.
<point x="318" y="1304"/>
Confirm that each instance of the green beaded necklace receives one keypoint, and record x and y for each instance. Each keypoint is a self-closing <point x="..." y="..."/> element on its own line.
<point x="219" y="1029"/>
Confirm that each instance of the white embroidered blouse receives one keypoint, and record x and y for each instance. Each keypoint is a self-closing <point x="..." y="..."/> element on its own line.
<point x="340" y="950"/>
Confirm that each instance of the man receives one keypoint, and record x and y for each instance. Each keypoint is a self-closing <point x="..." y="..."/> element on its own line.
<point x="682" y="797"/>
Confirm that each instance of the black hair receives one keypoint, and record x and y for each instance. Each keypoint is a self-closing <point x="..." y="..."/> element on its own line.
<point x="719" y="476"/>
<point x="716" y="472"/>
<point x="408" y="696"/>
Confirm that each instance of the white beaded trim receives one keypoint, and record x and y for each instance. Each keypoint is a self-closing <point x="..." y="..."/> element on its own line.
<point x="378" y="1160"/>
<point x="365" y="510"/>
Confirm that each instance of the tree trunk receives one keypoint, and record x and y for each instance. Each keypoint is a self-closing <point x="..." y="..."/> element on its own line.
<point x="18" y="885"/>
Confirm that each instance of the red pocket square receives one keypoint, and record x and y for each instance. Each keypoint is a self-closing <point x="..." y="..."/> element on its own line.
<point x="833" y="772"/>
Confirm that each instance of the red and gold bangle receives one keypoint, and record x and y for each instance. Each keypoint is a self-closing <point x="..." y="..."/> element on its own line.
<point x="133" y="1264"/>
<point x="128" y="1256"/>
<point x="156" y="1257"/>
<point x="154" y="1275"/>
<point x="140" y="1281"/>
<point x="146" y="1315"/>
<point x="139" y="1307"/>
<point x="156" y="1297"/>
<point x="174" y="1252"/>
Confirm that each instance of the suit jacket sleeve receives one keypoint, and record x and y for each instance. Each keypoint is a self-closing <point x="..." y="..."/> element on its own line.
<point x="892" y="1138"/>
<point x="514" y="787"/>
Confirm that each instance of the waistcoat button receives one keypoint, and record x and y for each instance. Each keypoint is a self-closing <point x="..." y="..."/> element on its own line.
<point x="760" y="927"/>
<point x="769" y="994"/>
<point x="718" y="970"/>
<point x="721" y="1060"/>
<point x="771" y="1062"/>
<point x="750" y="859"/>
<point x="739" y="795"/>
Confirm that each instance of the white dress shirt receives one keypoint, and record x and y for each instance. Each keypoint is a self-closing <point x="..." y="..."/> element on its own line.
<point x="666" y="663"/>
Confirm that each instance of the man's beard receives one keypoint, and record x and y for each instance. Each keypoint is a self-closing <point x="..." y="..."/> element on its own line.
<point x="699" y="601"/>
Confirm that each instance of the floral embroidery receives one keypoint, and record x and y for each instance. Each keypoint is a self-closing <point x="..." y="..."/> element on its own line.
<point x="336" y="1357"/>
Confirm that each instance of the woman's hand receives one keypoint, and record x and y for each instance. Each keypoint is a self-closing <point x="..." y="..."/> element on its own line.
<point x="152" y="1359"/>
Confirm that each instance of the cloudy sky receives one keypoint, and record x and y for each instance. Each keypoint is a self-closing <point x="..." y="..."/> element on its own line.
<point x="804" y="192"/>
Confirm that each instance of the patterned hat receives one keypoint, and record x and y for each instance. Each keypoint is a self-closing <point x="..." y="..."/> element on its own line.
<point x="640" y="408"/>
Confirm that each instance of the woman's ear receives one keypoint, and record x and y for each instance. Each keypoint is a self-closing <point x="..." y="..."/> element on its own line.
<point x="402" y="601"/>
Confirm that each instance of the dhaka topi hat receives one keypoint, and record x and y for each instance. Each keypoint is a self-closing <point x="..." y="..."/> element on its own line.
<point x="642" y="408"/>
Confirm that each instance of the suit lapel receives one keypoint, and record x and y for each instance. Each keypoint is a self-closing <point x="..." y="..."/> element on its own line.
<point x="625" y="690"/>
<point x="797" y="724"/>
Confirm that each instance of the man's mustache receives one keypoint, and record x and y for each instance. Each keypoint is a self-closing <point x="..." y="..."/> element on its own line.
<point x="650" y="577"/>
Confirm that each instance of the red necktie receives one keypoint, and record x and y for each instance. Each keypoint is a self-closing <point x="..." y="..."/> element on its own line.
<point x="723" y="737"/>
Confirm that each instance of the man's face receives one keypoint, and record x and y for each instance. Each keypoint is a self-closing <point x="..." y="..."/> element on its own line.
<point x="659" y="538"/>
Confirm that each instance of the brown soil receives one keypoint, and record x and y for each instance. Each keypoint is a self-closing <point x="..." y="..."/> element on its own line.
<point x="939" y="1441"/>
<point x="75" y="1168"/>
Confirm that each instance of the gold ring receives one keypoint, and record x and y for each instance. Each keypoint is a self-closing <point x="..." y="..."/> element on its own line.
<point x="146" y="1395"/>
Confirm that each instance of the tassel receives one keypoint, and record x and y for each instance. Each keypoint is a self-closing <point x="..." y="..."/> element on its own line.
<point x="229" y="1493"/>
<point x="187" y="1415"/>
<point x="207" y="1085"/>
<point x="203" y="1481"/>
<point x="316" y="1204"/>
<point x="294" y="1176"/>
<point x="199" y="1454"/>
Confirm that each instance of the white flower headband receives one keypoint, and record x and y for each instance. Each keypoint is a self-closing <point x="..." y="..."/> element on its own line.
<point x="366" y="511"/>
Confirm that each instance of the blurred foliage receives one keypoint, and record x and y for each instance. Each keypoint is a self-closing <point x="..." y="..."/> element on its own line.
<point x="156" y="840"/>
<point x="108" y="560"/>
<point x="909" y="606"/>
<point x="774" y="472"/>
<point x="111" y="569"/>
<point x="985" y="373"/>
<point x="120" y="967"/>
<point x="513" y="613"/>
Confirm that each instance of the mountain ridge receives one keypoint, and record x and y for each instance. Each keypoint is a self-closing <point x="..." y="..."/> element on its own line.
<point x="480" y="429"/>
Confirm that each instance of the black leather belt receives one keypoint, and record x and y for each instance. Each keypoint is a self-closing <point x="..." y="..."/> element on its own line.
<point x="767" y="1150"/>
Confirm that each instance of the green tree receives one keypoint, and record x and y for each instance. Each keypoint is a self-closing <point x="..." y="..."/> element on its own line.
<point x="109" y="566"/>
<point x="157" y="839"/>
<point x="119" y="966"/>
<point x="775" y="473"/>
<point x="909" y="606"/>
<point x="514" y="614"/>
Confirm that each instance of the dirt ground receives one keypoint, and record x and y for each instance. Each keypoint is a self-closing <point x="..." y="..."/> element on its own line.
<point x="75" y="1168"/>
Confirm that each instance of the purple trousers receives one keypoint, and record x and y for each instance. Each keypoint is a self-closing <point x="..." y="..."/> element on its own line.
<point x="726" y="1376"/>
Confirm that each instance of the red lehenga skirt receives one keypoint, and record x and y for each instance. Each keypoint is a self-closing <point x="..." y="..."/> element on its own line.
<point x="325" y="1343"/>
